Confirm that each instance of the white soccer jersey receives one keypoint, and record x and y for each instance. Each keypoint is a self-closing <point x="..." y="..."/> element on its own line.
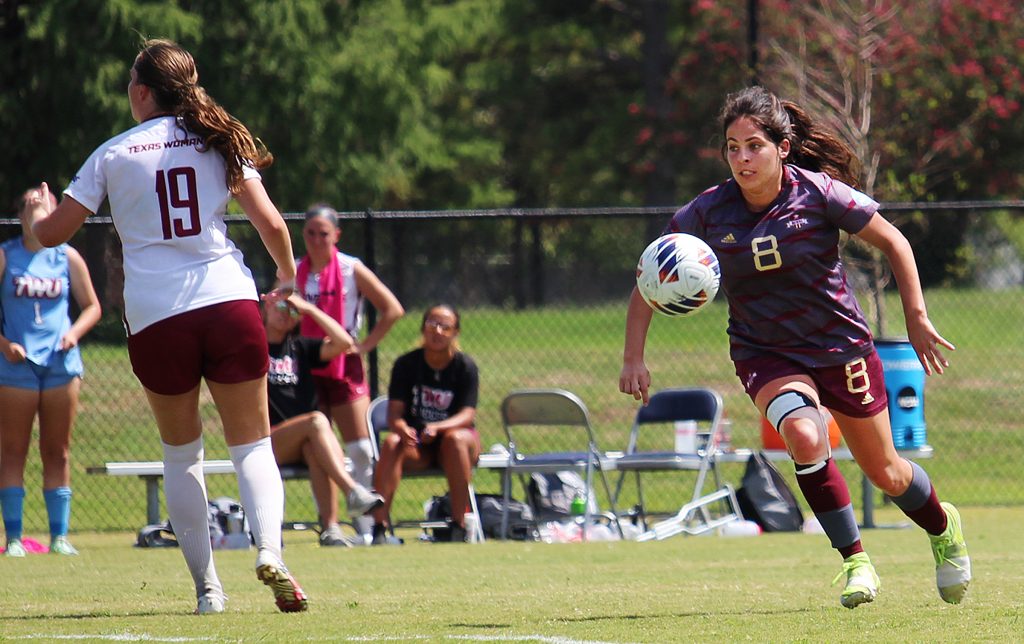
<point x="167" y="200"/>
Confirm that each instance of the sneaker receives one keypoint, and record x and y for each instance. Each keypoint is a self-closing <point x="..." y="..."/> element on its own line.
<point x="360" y="501"/>
<point x="332" y="536"/>
<point x="861" y="581"/>
<point x="288" y="594"/>
<point x="15" y="548"/>
<point x="211" y="604"/>
<point x="382" y="538"/>
<point x="952" y="565"/>
<point x="61" y="546"/>
<point x="380" y="535"/>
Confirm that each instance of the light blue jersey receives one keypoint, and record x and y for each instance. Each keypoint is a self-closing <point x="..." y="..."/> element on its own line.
<point x="34" y="308"/>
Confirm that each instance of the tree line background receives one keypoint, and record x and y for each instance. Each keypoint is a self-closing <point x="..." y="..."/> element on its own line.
<point x="480" y="104"/>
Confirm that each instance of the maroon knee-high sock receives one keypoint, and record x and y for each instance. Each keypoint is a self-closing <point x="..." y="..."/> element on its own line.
<point x="828" y="496"/>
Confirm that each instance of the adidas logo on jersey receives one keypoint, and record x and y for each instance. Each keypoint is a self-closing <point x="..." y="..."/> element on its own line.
<point x="728" y="239"/>
<point x="867" y="399"/>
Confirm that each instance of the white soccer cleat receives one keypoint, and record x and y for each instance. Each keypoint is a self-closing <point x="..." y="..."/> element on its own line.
<point x="15" y="548"/>
<point x="211" y="604"/>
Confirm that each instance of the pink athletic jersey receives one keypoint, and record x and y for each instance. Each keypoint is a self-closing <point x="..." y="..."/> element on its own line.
<point x="167" y="198"/>
<point x="786" y="286"/>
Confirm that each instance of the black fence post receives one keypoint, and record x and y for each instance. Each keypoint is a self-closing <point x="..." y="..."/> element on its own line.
<point x="537" y="262"/>
<point x="370" y="258"/>
<point x="519" y="264"/>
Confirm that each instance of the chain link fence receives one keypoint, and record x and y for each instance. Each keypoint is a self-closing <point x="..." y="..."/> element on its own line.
<point x="542" y="294"/>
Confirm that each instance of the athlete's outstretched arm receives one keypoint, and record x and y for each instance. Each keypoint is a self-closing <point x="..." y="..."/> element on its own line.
<point x="273" y="230"/>
<point x="635" y="379"/>
<point x="59" y="225"/>
<point x="925" y="339"/>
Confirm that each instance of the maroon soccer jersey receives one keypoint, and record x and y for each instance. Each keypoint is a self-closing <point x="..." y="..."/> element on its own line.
<point x="781" y="273"/>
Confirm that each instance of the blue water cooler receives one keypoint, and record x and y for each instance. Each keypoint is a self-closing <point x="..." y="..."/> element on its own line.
<point x="904" y="385"/>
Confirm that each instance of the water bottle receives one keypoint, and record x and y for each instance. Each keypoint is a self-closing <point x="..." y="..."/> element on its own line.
<point x="236" y="520"/>
<point x="740" y="528"/>
<point x="724" y="433"/>
<point x="686" y="436"/>
<point x="578" y="507"/>
<point x="471" y="527"/>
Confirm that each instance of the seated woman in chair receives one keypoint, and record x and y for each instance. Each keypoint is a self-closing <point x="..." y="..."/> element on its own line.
<point x="432" y="402"/>
<point x="300" y="433"/>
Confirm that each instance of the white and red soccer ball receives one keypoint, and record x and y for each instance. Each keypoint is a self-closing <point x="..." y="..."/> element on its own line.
<point x="678" y="274"/>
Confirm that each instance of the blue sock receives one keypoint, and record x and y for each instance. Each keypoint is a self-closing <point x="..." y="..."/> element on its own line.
<point x="12" y="502"/>
<point x="58" y="509"/>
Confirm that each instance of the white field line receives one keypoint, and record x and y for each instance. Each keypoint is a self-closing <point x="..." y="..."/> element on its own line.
<point x="143" y="637"/>
<point x="115" y="637"/>
<point x="544" y="639"/>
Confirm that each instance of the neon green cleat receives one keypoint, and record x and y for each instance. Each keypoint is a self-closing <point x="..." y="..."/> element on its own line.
<point x="952" y="564"/>
<point x="15" y="548"/>
<point x="61" y="546"/>
<point x="862" y="582"/>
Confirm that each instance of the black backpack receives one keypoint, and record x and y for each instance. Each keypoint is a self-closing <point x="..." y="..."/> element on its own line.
<point x="765" y="498"/>
<point x="551" y="494"/>
<point x="520" y="517"/>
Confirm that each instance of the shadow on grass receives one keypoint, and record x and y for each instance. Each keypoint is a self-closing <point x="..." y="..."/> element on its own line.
<point x="705" y="613"/>
<point x="467" y="625"/>
<point x="93" y="615"/>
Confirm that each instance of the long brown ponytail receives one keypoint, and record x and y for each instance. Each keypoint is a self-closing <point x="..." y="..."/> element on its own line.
<point x="812" y="146"/>
<point x="170" y="72"/>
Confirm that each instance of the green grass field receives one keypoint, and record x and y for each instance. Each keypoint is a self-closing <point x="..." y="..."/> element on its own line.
<point x="686" y="589"/>
<point x="973" y="411"/>
<point x="768" y="588"/>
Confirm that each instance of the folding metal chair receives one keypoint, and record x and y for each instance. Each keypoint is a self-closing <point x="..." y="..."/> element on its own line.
<point x="552" y="417"/>
<point x="665" y="408"/>
<point x="377" y="422"/>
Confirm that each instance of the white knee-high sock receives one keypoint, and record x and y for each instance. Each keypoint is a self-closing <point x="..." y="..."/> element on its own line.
<point x="262" y="492"/>
<point x="185" y="490"/>
<point x="360" y="454"/>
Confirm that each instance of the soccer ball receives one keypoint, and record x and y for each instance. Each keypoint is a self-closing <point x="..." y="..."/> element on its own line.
<point x="677" y="274"/>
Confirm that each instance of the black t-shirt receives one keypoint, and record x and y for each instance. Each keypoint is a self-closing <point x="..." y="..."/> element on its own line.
<point x="429" y="394"/>
<point x="289" y="382"/>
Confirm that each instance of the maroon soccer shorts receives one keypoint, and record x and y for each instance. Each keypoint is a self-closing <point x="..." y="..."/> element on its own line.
<point x="351" y="386"/>
<point x="224" y="343"/>
<point x="855" y="389"/>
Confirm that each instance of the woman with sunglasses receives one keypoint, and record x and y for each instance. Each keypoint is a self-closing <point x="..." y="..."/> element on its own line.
<point x="432" y="401"/>
<point x="338" y="284"/>
<point x="299" y="432"/>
